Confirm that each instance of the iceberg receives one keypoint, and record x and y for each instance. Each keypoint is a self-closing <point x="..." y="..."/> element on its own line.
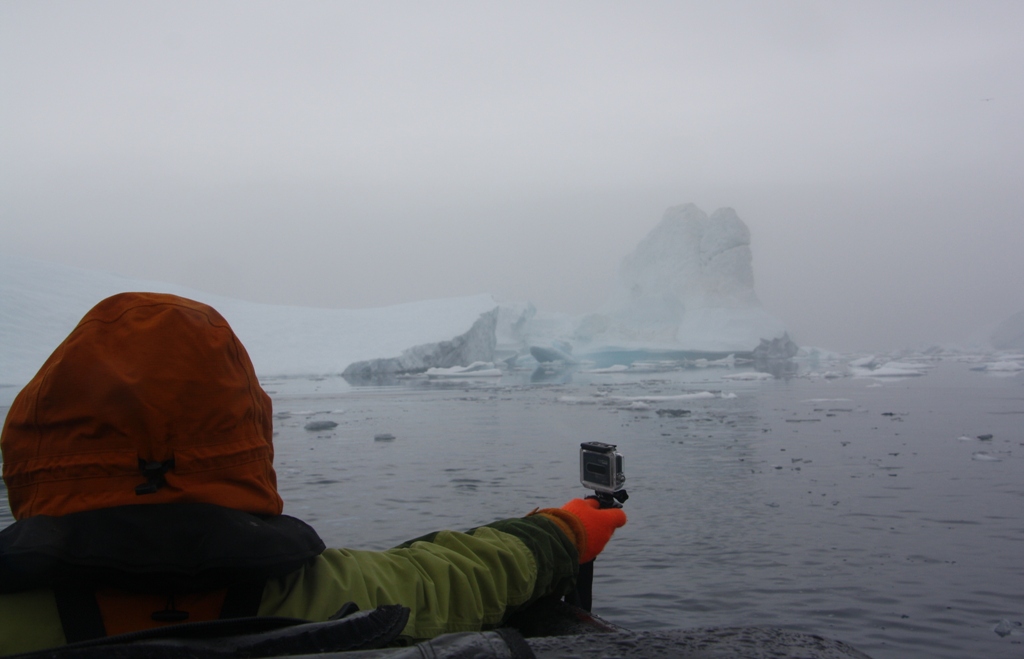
<point x="1009" y="335"/>
<point x="473" y="347"/>
<point x="522" y="327"/>
<point x="685" y="294"/>
<point x="553" y="353"/>
<point x="40" y="303"/>
<point x="688" y="285"/>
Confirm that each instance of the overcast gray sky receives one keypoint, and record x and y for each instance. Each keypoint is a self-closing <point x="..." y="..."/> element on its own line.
<point x="350" y="154"/>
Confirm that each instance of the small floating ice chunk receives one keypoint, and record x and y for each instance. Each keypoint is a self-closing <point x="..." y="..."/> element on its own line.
<point x="617" y="368"/>
<point x="726" y="362"/>
<point x="638" y="406"/>
<point x="897" y="370"/>
<point x="314" y="426"/>
<point x="699" y="395"/>
<point x="907" y="366"/>
<point x="474" y="370"/>
<point x="1005" y="628"/>
<point x="749" y="376"/>
<point x="982" y="456"/>
<point x="965" y="438"/>
<point x="1007" y="366"/>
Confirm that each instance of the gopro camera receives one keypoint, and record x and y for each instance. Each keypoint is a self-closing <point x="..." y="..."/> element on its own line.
<point x="601" y="471"/>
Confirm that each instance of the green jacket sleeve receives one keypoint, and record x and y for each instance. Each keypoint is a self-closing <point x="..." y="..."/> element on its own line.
<point x="450" y="581"/>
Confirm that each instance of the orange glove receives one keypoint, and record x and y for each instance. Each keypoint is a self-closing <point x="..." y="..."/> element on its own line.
<point x="586" y="525"/>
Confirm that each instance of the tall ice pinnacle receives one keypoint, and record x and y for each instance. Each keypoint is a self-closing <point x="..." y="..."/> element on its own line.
<point x="688" y="284"/>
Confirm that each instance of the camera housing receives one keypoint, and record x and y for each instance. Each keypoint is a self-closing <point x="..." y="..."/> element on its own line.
<point x="601" y="468"/>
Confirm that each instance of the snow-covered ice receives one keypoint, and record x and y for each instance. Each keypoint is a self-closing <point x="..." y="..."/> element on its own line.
<point x="749" y="376"/>
<point x="642" y="402"/>
<point x="474" y="370"/>
<point x="697" y="395"/>
<point x="40" y="303"/>
<point x="1002" y="366"/>
<point x="892" y="369"/>
<point x="616" y="368"/>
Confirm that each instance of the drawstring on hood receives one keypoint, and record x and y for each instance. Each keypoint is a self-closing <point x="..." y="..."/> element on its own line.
<point x="151" y="399"/>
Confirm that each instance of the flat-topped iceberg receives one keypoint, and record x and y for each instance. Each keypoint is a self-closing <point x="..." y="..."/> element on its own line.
<point x="40" y="303"/>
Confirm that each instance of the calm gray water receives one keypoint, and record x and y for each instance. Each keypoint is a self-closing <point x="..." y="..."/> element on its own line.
<point x="850" y="508"/>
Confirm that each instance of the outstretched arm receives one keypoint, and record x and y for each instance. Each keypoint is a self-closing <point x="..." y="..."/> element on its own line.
<point x="451" y="581"/>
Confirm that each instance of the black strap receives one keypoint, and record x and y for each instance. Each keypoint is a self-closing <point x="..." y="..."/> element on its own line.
<point x="81" y="619"/>
<point x="583" y="596"/>
<point x="79" y="614"/>
<point x="242" y="600"/>
<point x="154" y="473"/>
<point x="162" y="548"/>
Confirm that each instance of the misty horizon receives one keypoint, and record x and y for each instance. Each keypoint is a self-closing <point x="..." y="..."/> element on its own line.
<point x="363" y="155"/>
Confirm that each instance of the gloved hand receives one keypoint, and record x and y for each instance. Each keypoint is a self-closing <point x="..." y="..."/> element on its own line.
<point x="587" y="526"/>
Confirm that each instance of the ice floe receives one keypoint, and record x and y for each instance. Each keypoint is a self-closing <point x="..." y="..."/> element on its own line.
<point x="642" y="402"/>
<point x="697" y="395"/>
<point x="617" y="368"/>
<point x="749" y="376"/>
<point x="474" y="370"/>
<point x="892" y="369"/>
<point x="1004" y="366"/>
<point x="40" y="303"/>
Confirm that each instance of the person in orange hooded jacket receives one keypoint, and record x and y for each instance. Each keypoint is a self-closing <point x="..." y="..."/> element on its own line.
<point x="139" y="468"/>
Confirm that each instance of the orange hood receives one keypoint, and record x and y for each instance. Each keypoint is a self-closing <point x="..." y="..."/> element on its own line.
<point x="144" y="379"/>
